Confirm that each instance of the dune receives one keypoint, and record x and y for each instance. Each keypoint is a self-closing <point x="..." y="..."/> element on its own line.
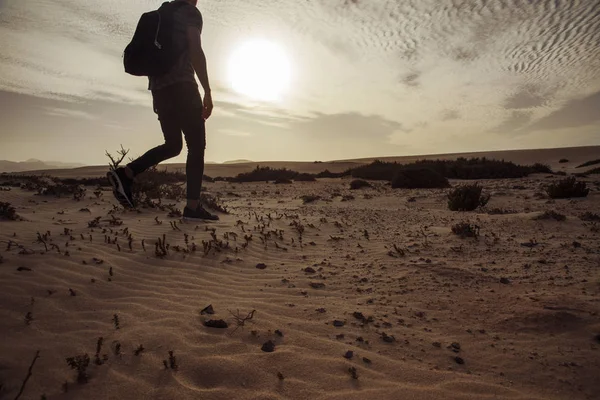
<point x="362" y="294"/>
<point x="575" y="155"/>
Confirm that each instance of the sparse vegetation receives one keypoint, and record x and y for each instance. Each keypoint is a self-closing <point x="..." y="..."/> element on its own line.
<point x="466" y="229"/>
<point x="551" y="214"/>
<point x="7" y="211"/>
<point x="359" y="184"/>
<point x="412" y="178"/>
<point x="264" y="174"/>
<point x="213" y="202"/>
<point x="461" y="168"/>
<point x="589" y="217"/>
<point x="80" y="363"/>
<point x="309" y="198"/>
<point x="589" y="163"/>
<point x="467" y="198"/>
<point x="567" y="188"/>
<point x="304" y="177"/>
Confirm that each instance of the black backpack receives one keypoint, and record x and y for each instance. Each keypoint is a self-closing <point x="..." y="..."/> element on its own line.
<point x="152" y="51"/>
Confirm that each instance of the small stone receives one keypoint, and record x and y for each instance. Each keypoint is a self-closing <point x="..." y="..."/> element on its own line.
<point x="340" y="336"/>
<point x="436" y="344"/>
<point x="321" y="310"/>
<point x="317" y="285"/>
<point x="349" y="354"/>
<point x="366" y="360"/>
<point x="598" y="338"/>
<point x="309" y="270"/>
<point x="278" y="333"/>
<point x="338" y="323"/>
<point x="505" y="281"/>
<point x="280" y="376"/>
<point x="455" y="345"/>
<point x="387" y="338"/>
<point x="261" y="265"/>
<point x="24" y="269"/>
<point x="207" y="310"/>
<point x="268" y="347"/>
<point x="459" y="360"/>
<point x="358" y="315"/>
<point x="216" y="323"/>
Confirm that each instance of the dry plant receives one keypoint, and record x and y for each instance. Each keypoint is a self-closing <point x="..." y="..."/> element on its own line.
<point x="467" y="198"/>
<point x="567" y="188"/>
<point x="7" y="211"/>
<point x="80" y="363"/>
<point x="240" y="320"/>
<point x="116" y="160"/>
<point x="466" y="229"/>
<point x="29" y="373"/>
<point x="551" y="214"/>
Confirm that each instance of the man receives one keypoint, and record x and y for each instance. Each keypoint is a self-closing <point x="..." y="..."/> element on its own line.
<point x="180" y="108"/>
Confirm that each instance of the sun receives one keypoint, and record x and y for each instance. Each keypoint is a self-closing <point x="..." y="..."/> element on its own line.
<point x="259" y="69"/>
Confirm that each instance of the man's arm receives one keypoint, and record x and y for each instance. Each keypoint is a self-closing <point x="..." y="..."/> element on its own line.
<point x="199" y="64"/>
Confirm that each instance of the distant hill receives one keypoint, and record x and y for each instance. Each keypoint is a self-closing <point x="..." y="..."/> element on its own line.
<point x="33" y="164"/>
<point x="237" y="161"/>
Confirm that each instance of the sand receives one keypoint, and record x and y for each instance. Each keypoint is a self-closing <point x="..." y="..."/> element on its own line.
<point x="522" y="318"/>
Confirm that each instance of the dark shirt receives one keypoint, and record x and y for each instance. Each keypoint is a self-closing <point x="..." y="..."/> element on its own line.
<point x="183" y="70"/>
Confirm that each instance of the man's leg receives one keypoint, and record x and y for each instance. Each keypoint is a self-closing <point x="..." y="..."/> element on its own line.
<point x="172" y="147"/>
<point x="195" y="137"/>
<point x="122" y="178"/>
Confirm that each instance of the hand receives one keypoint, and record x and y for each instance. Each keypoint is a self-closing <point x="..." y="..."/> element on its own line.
<point x="207" y="106"/>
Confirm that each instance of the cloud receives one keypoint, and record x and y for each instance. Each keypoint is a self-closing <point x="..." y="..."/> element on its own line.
<point x="525" y="98"/>
<point x="68" y="113"/>
<point x="450" y="115"/>
<point x="575" y="113"/>
<point x="512" y="124"/>
<point x="361" y="64"/>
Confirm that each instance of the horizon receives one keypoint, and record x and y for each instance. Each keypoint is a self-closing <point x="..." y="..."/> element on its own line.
<point x="337" y="80"/>
<point x="241" y="161"/>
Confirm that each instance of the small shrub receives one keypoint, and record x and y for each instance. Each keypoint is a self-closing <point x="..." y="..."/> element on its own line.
<point x="467" y="198"/>
<point x="304" y="177"/>
<point x="500" y="211"/>
<point x="413" y="178"/>
<point x="263" y="174"/>
<point x="593" y="171"/>
<point x="465" y="229"/>
<point x="213" y="202"/>
<point x="563" y="160"/>
<point x="358" y="184"/>
<point x="377" y="171"/>
<point x="309" y="198"/>
<point x="589" y="217"/>
<point x="80" y="364"/>
<point x="7" y="211"/>
<point x="589" y="163"/>
<point x="551" y="215"/>
<point x="567" y="188"/>
<point x="329" y="174"/>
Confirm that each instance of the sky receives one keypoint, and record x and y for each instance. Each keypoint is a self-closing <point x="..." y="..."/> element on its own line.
<point x="366" y="78"/>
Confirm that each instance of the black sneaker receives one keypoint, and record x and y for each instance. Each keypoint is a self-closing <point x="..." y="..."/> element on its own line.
<point x="199" y="214"/>
<point x="121" y="184"/>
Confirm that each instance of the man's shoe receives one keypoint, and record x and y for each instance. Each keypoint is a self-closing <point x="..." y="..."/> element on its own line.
<point x="121" y="184"/>
<point x="199" y="214"/>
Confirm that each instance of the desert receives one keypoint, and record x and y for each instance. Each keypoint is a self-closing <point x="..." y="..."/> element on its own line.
<point x="304" y="289"/>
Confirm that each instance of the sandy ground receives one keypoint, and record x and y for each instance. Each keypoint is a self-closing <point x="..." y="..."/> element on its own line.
<point x="518" y="307"/>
